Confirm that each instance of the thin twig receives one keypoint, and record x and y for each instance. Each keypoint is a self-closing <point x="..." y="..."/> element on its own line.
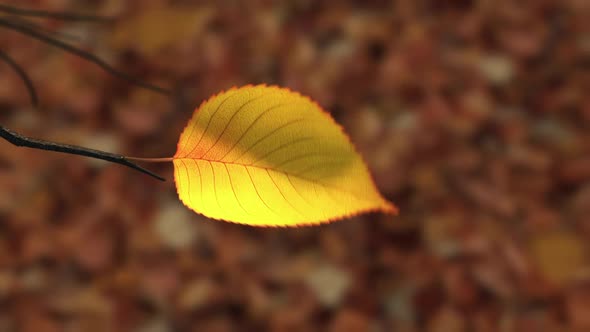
<point x="24" y="141"/>
<point x="23" y="76"/>
<point x="68" y="16"/>
<point x="81" y="53"/>
<point x="152" y="160"/>
<point x="42" y="29"/>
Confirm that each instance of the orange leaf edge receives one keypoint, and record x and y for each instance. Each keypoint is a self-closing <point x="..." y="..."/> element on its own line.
<point x="388" y="208"/>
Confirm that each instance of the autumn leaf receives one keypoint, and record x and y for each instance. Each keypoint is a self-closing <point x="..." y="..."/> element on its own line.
<point x="267" y="156"/>
<point x="160" y="27"/>
<point x="558" y="255"/>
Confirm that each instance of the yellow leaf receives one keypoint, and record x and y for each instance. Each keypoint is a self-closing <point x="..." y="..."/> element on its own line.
<point x="267" y="156"/>
<point x="157" y="28"/>
<point x="558" y="255"/>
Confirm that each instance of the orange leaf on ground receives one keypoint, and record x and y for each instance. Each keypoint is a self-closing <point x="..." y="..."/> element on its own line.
<point x="159" y="28"/>
<point x="267" y="156"/>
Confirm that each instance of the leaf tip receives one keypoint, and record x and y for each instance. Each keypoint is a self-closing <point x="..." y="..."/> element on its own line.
<point x="389" y="208"/>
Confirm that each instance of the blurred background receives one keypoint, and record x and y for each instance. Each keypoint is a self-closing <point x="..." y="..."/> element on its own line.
<point x="473" y="116"/>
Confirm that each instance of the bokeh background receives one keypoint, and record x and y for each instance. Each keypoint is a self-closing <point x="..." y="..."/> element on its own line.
<point x="473" y="116"/>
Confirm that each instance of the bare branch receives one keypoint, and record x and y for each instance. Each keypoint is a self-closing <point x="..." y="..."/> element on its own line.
<point x="66" y="16"/>
<point x="23" y="76"/>
<point x="36" y="26"/>
<point x="20" y="140"/>
<point x="23" y="29"/>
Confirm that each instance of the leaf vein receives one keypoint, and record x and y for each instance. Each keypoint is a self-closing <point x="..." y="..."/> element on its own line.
<point x="283" y="195"/>
<point x="233" y="190"/>
<point x="229" y="122"/>
<point x="188" y="182"/>
<point x="268" y="135"/>
<point x="251" y="125"/>
<point x="297" y="191"/>
<point x="316" y="167"/>
<point x="256" y="190"/>
<point x="200" y="180"/>
<point x="206" y="127"/>
<point x="300" y="157"/>
<point x="280" y="147"/>
<point x="214" y="183"/>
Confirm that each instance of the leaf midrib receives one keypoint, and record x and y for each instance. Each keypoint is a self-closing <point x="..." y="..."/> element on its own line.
<point x="325" y="185"/>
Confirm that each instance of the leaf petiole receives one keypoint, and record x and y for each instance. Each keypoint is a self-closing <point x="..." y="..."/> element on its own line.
<point x="151" y="160"/>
